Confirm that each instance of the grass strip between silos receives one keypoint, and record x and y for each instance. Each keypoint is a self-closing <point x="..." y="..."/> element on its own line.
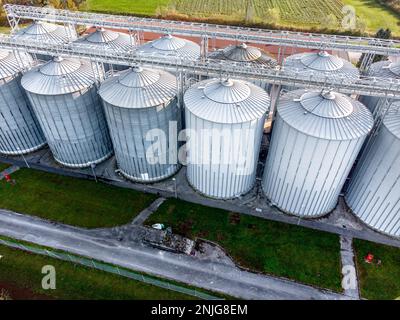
<point x="83" y="278"/>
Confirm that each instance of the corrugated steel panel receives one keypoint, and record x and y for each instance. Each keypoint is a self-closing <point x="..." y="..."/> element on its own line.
<point x="374" y="192"/>
<point x="244" y="53"/>
<point x="48" y="32"/>
<point x="172" y="46"/>
<point x="321" y="64"/>
<point x="316" y="139"/>
<point x="381" y="69"/>
<point x="60" y="76"/>
<point x="225" y="121"/>
<point x="136" y="101"/>
<point x="64" y="97"/>
<point x="19" y="129"/>
<point x="106" y="40"/>
<point x="12" y="63"/>
<point x="227" y="101"/>
<point x="331" y="116"/>
<point x="139" y="88"/>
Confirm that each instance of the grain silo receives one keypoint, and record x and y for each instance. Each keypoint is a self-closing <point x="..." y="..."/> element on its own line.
<point x="19" y="129"/>
<point x="46" y="32"/>
<point x="108" y="40"/>
<point x="315" y="141"/>
<point x="382" y="69"/>
<point x="174" y="47"/>
<point x="320" y="64"/>
<point x="137" y="101"/>
<point x="64" y="97"/>
<point x="225" y="120"/>
<point x="246" y="54"/>
<point x="374" y="191"/>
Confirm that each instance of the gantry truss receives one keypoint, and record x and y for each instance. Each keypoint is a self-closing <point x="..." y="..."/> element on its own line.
<point x="380" y="87"/>
<point x="206" y="31"/>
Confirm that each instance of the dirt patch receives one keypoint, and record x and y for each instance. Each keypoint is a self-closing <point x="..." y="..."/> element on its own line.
<point x="234" y="218"/>
<point x="171" y="209"/>
<point x="16" y="292"/>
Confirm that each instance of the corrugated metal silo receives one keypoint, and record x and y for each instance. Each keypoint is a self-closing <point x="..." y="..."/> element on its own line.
<point x="46" y="32"/>
<point x="321" y="64"/>
<point x="382" y="69"/>
<point x="107" y="39"/>
<point x="225" y="120"/>
<point x="172" y="46"/>
<point x="374" y="191"/>
<point x="64" y="97"/>
<point x="136" y="101"/>
<point x="246" y="54"/>
<point x="315" y="141"/>
<point x="19" y="129"/>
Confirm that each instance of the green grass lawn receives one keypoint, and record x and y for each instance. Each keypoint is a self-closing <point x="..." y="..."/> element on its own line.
<point x="378" y="282"/>
<point x="3" y="166"/>
<point x="22" y="271"/>
<point x="294" y="13"/>
<point x="71" y="201"/>
<point x="376" y="15"/>
<point x="305" y="255"/>
<point x="142" y="7"/>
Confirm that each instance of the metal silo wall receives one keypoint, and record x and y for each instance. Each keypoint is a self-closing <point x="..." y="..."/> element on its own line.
<point x="374" y="191"/>
<point x="19" y="129"/>
<point x="128" y="129"/>
<point x="75" y="127"/>
<point x="223" y="181"/>
<point x="304" y="175"/>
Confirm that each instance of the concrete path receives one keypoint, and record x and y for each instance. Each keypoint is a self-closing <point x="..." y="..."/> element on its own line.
<point x="142" y="216"/>
<point x="349" y="271"/>
<point x="200" y="273"/>
<point x="9" y="170"/>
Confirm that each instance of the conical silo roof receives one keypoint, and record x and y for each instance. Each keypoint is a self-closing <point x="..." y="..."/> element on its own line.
<point x="392" y="120"/>
<point x="243" y="53"/>
<point x="325" y="115"/>
<point x="43" y="31"/>
<point x="384" y="69"/>
<point x="227" y="101"/>
<point x="321" y="62"/>
<point x="138" y="87"/>
<point x="172" y="46"/>
<point x="11" y="63"/>
<point x="59" y="76"/>
<point x="107" y="39"/>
